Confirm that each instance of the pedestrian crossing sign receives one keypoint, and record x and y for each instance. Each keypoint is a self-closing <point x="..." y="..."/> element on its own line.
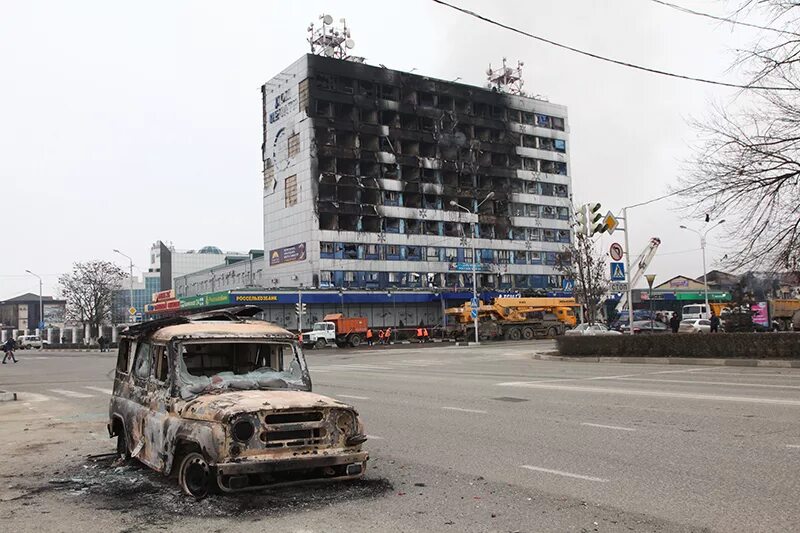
<point x="617" y="271"/>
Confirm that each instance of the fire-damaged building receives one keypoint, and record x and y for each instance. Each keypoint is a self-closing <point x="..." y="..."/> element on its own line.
<point x="372" y="178"/>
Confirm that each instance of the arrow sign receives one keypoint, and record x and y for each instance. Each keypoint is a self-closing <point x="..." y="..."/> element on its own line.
<point x="617" y="271"/>
<point x="474" y="313"/>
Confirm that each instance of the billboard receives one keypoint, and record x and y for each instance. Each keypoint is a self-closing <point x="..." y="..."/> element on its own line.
<point x="760" y="314"/>
<point x="54" y="315"/>
<point x="287" y="254"/>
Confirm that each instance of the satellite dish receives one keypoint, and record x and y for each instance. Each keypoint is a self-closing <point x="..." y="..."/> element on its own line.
<point x="349" y="43"/>
<point x="489" y="71"/>
<point x="328" y="51"/>
<point x="327" y="19"/>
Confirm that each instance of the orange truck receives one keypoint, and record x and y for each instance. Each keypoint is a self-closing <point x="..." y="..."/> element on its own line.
<point x="336" y="329"/>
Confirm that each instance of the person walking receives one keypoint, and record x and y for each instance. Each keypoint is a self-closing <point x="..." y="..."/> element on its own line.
<point x="9" y="347"/>
<point x="419" y="334"/>
<point x="714" y="322"/>
<point x="674" y="323"/>
<point x="387" y="335"/>
<point x="369" y="336"/>
<point x="101" y="341"/>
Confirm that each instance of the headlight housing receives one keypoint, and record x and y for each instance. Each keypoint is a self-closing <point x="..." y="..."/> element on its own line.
<point x="243" y="430"/>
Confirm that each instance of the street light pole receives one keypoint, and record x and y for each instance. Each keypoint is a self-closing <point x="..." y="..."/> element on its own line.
<point x="131" y="273"/>
<point x="703" y="249"/>
<point x="41" y="312"/>
<point x="474" y="261"/>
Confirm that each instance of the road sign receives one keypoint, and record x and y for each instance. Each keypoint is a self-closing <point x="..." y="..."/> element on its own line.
<point x="617" y="271"/>
<point x="41" y="324"/>
<point x="616" y="251"/>
<point x="473" y="313"/>
<point x="619" y="286"/>
<point x="473" y="302"/>
<point x="132" y="310"/>
<point x="567" y="285"/>
<point x="611" y="222"/>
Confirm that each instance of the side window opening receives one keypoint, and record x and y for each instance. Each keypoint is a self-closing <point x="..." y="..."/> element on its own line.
<point x="160" y="363"/>
<point x="141" y="366"/>
<point x="123" y="356"/>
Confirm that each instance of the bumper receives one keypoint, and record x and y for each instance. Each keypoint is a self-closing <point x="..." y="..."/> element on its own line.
<point x="255" y="474"/>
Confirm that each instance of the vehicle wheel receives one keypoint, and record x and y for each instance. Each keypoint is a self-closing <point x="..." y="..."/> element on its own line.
<point x="195" y="476"/>
<point x="320" y="344"/>
<point x="122" y="445"/>
<point x="513" y="334"/>
<point x="552" y="332"/>
<point x="355" y="340"/>
<point x="528" y="333"/>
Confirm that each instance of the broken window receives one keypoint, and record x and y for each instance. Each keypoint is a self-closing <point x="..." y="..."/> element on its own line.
<point x="367" y="88"/>
<point x="346" y="139"/>
<point x="527" y="118"/>
<point x="390" y="93"/>
<point x="516" y="210"/>
<point x="433" y="254"/>
<point x="529" y="141"/>
<point x="519" y="257"/>
<point x="548" y="211"/>
<point x="161" y="363"/>
<point x="546" y="144"/>
<point x="409" y="122"/>
<point x="239" y="361"/>
<point x="426" y="99"/>
<point x="518" y="234"/>
<point x="535" y="234"/>
<point x="557" y="123"/>
<point x="290" y="191"/>
<point x="344" y="111"/>
<point x="546" y="189"/>
<point x="350" y="251"/>
<point x="549" y="235"/>
<point x="349" y="276"/>
<point x="372" y="251"/>
<point x="563" y="213"/>
<point x="389" y="118"/>
<point x="391" y="225"/>
<point x="468" y="254"/>
<point x="141" y="366"/>
<point x="413" y="253"/>
<point x="326" y="249"/>
<point x="323" y="108"/>
<point x="451" y="254"/>
<point x="123" y="355"/>
<point x="543" y="121"/>
<point x="427" y="124"/>
<point x="369" y="142"/>
<point x="293" y="144"/>
<point x="325" y="81"/>
<point x="392" y="251"/>
<point x="325" y="136"/>
<point x="391" y="198"/>
<point x="535" y="258"/>
<point x="445" y="102"/>
<point x="503" y="256"/>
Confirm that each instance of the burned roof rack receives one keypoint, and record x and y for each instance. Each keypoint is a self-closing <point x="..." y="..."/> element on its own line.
<point x="233" y="314"/>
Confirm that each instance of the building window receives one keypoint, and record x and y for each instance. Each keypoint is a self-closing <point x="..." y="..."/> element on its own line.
<point x="503" y="256"/>
<point x="325" y="278"/>
<point x="326" y="248"/>
<point x="294" y="144"/>
<point x="468" y="254"/>
<point x="451" y="254"/>
<point x="290" y="191"/>
<point x="433" y="254"/>
<point x="349" y="276"/>
<point x="392" y="251"/>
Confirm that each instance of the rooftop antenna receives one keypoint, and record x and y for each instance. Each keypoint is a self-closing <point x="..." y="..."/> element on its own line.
<point x="506" y="79"/>
<point x="332" y="41"/>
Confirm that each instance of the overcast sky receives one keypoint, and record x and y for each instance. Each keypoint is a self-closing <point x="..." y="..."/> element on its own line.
<point x="125" y="123"/>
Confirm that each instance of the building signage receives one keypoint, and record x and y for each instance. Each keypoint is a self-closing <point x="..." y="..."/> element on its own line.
<point x="162" y="296"/>
<point x="192" y="301"/>
<point x="679" y="283"/>
<point x="254" y="298"/>
<point x="760" y="314"/>
<point x="217" y="298"/>
<point x="288" y="254"/>
<point x="467" y="267"/>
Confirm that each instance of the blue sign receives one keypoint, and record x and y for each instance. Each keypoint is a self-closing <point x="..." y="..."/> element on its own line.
<point x="567" y="285"/>
<point x="474" y="313"/>
<point x="473" y="302"/>
<point x="467" y="267"/>
<point x="617" y="271"/>
<point x="41" y="324"/>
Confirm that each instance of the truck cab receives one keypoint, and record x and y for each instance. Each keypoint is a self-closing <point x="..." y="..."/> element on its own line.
<point x="322" y="334"/>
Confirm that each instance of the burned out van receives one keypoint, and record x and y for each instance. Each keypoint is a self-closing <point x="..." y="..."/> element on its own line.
<point x="225" y="401"/>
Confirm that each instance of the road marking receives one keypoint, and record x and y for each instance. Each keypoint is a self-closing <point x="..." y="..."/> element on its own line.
<point x="793" y="445"/>
<point x="98" y="389"/>
<point x="33" y="397"/>
<point x="559" y="380"/>
<point x="70" y="394"/>
<point x="461" y="409"/>
<point x="606" y="427"/>
<point x="353" y="397"/>
<point x="565" y="474"/>
<point x="759" y="374"/>
<point x="710" y="383"/>
<point x="374" y="437"/>
<point x="683" y="371"/>
<point x="360" y="367"/>
<point x="656" y="394"/>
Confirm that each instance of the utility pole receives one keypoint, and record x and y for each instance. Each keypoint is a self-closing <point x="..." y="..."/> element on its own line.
<point x="130" y="261"/>
<point x="41" y="307"/>
<point x="703" y="248"/>
<point x="474" y="309"/>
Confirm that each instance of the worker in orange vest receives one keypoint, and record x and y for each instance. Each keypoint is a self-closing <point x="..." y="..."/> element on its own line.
<point x="380" y="336"/>
<point x="425" y="334"/>
<point x="369" y="336"/>
<point x="419" y="334"/>
<point x="387" y="337"/>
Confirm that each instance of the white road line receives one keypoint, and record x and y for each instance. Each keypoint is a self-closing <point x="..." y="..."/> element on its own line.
<point x="684" y="371"/>
<point x="656" y="394"/>
<point x="353" y="397"/>
<point x="461" y="409"/>
<point x="70" y="394"/>
<point x="99" y="389"/>
<point x="33" y="397"/>
<point x="606" y="427"/>
<point x="565" y="474"/>
<point x="711" y="383"/>
<point x="374" y="437"/>
<point x="360" y="367"/>
<point x="759" y="374"/>
<point x="559" y="380"/>
<point x="793" y="445"/>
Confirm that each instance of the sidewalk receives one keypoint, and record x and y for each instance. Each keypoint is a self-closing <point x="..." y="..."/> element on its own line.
<point x="771" y="363"/>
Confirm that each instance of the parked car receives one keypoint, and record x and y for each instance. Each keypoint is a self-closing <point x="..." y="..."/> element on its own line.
<point x="591" y="329"/>
<point x="225" y="401"/>
<point x="695" y="325"/>
<point x="26" y="342"/>
<point x="646" y="327"/>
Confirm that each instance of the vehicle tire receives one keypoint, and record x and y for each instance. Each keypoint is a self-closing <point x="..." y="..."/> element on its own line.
<point x="528" y="333"/>
<point x="552" y="332"/>
<point x="355" y="340"/>
<point x="320" y="344"/>
<point x="195" y="476"/>
<point x="122" y="445"/>
<point x="513" y="334"/>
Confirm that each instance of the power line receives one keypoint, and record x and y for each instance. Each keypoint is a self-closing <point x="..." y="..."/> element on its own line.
<point x="722" y="19"/>
<point x="610" y="60"/>
<point x="673" y="193"/>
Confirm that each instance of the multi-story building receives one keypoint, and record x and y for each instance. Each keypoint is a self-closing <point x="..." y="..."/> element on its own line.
<point x="136" y="295"/>
<point x="368" y="173"/>
<point x="172" y="263"/>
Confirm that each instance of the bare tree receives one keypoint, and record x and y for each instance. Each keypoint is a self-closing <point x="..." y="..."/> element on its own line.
<point x="88" y="289"/>
<point x="582" y="264"/>
<point x="747" y="167"/>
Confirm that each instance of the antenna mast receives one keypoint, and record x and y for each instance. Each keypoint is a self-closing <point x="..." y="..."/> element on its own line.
<point x="332" y="41"/>
<point x="506" y="79"/>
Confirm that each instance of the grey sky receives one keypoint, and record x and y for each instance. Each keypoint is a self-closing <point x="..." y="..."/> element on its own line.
<point x="123" y="124"/>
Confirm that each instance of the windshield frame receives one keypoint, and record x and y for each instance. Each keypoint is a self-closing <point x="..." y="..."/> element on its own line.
<point x="301" y="382"/>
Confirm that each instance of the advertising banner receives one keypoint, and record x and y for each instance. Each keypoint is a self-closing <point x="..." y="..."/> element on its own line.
<point x="467" y="267"/>
<point x="760" y="314"/>
<point x="288" y="254"/>
<point x="163" y="296"/>
<point x="54" y="315"/>
<point x="218" y="298"/>
<point x="192" y="301"/>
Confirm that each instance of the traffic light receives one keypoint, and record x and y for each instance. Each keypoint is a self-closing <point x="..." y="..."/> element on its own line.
<point x="299" y="308"/>
<point x="581" y="216"/>
<point x="595" y="222"/>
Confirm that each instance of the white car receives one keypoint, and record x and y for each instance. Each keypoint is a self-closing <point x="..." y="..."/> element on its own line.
<point x="591" y="329"/>
<point x="695" y="325"/>
<point x="25" y="342"/>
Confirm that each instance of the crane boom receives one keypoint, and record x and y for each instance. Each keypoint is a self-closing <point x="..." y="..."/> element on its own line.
<point x="641" y="264"/>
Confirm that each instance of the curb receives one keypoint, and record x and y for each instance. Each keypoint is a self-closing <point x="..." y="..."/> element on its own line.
<point x="7" y="396"/>
<point x="770" y="363"/>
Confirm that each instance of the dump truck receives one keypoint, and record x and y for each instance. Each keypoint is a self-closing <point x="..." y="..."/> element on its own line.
<point x="782" y="311"/>
<point x="336" y="329"/>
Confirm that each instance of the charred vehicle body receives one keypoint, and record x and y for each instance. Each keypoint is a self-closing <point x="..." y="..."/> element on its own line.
<point x="224" y="401"/>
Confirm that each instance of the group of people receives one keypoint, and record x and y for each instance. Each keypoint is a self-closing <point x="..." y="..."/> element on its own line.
<point x="384" y="336"/>
<point x="8" y="349"/>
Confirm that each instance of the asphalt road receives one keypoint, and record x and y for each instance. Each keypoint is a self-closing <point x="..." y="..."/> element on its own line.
<point x="461" y="439"/>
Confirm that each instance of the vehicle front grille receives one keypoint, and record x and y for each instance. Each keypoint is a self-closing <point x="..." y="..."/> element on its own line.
<point x="296" y="429"/>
